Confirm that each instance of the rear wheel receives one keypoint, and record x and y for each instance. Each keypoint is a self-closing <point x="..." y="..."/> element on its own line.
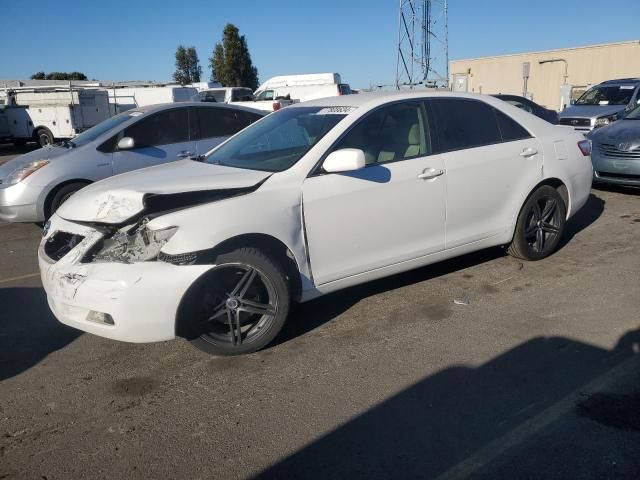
<point x="44" y="137"/>
<point x="240" y="305"/>
<point x="540" y="225"/>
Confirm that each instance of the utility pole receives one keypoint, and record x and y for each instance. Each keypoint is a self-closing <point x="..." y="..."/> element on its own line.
<point x="423" y="44"/>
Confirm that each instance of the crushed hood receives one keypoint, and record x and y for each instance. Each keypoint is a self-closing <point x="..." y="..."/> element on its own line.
<point x="174" y="185"/>
<point x="50" y="152"/>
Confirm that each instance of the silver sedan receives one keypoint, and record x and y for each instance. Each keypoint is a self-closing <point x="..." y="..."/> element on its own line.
<point x="616" y="151"/>
<point x="34" y="185"/>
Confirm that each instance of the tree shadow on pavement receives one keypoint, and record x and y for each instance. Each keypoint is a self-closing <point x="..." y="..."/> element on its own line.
<point x="28" y="330"/>
<point x="507" y="418"/>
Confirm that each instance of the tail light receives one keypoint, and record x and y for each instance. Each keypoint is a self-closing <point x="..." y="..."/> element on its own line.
<point x="585" y="147"/>
<point x="276" y="106"/>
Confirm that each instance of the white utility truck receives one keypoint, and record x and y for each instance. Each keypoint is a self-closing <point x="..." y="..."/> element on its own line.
<point x="47" y="114"/>
<point x="125" y="98"/>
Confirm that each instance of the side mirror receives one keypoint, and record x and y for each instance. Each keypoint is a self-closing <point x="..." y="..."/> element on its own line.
<point x="344" y="160"/>
<point x="126" y="143"/>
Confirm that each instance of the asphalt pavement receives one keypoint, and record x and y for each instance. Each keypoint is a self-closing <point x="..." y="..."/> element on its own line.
<point x="482" y="367"/>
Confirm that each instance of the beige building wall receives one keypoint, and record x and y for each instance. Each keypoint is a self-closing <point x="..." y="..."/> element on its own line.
<point x="586" y="66"/>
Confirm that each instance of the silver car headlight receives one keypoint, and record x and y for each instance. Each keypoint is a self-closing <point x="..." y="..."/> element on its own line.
<point x="140" y="245"/>
<point x="21" y="173"/>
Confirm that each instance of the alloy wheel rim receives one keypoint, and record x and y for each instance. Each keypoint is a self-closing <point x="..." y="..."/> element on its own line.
<point x="239" y="304"/>
<point x="543" y="224"/>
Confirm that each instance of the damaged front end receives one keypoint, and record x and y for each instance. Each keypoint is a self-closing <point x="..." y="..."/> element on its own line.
<point x="130" y="244"/>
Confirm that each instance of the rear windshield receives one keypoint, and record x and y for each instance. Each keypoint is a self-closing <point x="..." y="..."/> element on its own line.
<point x="607" y="95"/>
<point x="279" y="140"/>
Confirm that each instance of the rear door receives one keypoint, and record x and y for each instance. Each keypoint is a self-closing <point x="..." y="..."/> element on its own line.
<point x="161" y="137"/>
<point x="490" y="161"/>
<point x="216" y="124"/>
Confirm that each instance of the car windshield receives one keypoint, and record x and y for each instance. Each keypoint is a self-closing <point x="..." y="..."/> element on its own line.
<point x="104" y="126"/>
<point x="609" y="95"/>
<point x="633" y="114"/>
<point x="279" y="140"/>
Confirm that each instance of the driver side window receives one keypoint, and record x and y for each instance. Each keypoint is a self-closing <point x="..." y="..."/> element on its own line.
<point x="392" y="133"/>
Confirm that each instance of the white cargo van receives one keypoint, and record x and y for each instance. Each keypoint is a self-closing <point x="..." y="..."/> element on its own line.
<point x="47" y="114"/>
<point x="302" y="87"/>
<point x="122" y="99"/>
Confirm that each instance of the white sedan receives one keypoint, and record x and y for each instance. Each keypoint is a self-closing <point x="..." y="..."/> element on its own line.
<point x="309" y="200"/>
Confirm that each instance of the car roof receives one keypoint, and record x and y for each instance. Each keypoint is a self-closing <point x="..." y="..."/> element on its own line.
<point x="165" y="106"/>
<point x="373" y="99"/>
<point x="622" y="81"/>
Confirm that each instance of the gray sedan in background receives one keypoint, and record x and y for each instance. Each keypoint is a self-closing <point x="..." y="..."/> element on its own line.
<point x="34" y="185"/>
<point x="616" y="151"/>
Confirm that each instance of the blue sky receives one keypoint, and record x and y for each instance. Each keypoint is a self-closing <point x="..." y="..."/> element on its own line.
<point x="133" y="40"/>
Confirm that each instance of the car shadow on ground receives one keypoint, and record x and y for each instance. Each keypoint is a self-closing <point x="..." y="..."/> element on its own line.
<point x="28" y="330"/>
<point x="311" y="315"/>
<point x="544" y="409"/>
<point x="585" y="217"/>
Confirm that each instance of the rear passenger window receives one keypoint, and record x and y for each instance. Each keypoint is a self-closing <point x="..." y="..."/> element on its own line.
<point x="220" y="122"/>
<point x="163" y="128"/>
<point x="395" y="132"/>
<point x="509" y="128"/>
<point x="463" y="123"/>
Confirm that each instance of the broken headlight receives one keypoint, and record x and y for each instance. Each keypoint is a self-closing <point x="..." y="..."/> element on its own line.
<point x="137" y="245"/>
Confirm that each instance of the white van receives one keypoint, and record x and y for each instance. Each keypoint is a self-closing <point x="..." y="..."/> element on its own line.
<point x="302" y="87"/>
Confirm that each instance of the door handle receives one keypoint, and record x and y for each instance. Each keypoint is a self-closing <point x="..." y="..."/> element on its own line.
<point x="185" y="154"/>
<point x="528" y="152"/>
<point x="430" y="173"/>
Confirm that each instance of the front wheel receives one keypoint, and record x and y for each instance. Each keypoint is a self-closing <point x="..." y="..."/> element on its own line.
<point x="241" y="304"/>
<point x="540" y="225"/>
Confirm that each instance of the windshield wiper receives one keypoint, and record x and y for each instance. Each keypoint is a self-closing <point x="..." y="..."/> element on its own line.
<point x="68" y="144"/>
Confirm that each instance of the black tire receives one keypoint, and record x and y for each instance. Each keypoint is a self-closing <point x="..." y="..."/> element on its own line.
<point x="61" y="196"/>
<point x="540" y="225"/>
<point x="219" y="301"/>
<point x="44" y="137"/>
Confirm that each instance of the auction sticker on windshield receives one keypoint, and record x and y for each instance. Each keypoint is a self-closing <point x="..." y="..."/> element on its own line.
<point x="335" y="110"/>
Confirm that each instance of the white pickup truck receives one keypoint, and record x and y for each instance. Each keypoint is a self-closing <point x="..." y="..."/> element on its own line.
<point x="244" y="96"/>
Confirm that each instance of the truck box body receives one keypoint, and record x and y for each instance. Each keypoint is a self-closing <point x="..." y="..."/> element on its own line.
<point x="64" y="112"/>
<point x="123" y="99"/>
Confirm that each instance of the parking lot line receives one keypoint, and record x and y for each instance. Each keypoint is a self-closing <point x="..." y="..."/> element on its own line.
<point x="492" y="451"/>
<point x="19" y="277"/>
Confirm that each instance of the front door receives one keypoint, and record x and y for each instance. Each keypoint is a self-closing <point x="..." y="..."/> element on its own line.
<point x="159" y="138"/>
<point x="391" y="211"/>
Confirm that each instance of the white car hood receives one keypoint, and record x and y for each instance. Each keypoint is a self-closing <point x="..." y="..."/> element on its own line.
<point x="116" y="199"/>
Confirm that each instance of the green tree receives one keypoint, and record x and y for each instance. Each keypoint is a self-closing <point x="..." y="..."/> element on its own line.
<point x="59" y="76"/>
<point x="231" y="63"/>
<point x="188" y="68"/>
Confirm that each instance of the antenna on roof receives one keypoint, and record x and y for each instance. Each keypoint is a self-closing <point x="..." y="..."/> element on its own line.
<point x="423" y="44"/>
